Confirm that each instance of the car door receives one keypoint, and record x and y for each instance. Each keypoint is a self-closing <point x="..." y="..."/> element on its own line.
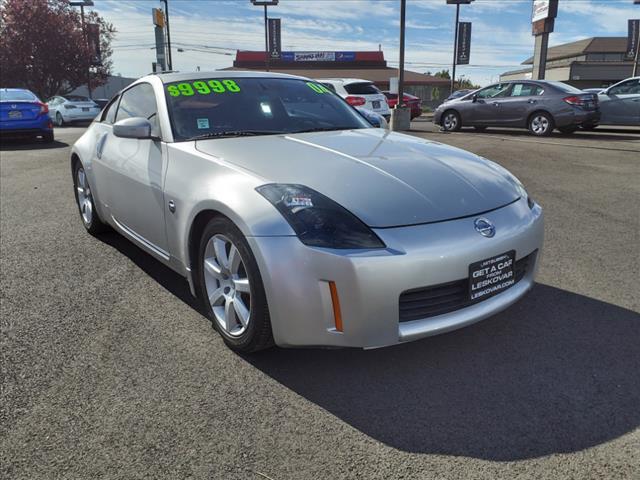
<point x="132" y="173"/>
<point x="620" y="104"/>
<point x="487" y="108"/>
<point x="523" y="98"/>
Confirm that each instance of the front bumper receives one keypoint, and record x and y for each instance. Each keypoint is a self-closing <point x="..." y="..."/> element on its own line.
<point x="369" y="283"/>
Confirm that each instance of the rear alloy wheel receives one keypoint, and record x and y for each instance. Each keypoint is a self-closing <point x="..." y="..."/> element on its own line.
<point x="59" y="119"/>
<point x="231" y="288"/>
<point x="451" y="121"/>
<point x="84" y="198"/>
<point x="541" y="124"/>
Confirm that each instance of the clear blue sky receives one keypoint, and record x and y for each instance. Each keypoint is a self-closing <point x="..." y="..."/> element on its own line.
<point x="501" y="37"/>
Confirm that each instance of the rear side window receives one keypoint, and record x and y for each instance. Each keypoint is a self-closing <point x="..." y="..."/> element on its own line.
<point x="139" y="101"/>
<point x="109" y="114"/>
<point x="363" y="88"/>
<point x="526" y="90"/>
<point x="17" y="96"/>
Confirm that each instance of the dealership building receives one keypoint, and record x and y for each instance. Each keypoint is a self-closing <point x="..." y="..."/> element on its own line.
<point x="368" y="65"/>
<point x="589" y="63"/>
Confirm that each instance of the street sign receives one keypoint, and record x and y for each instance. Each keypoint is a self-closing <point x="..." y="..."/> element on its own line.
<point x="275" y="42"/>
<point x="633" y="38"/>
<point x="541" y="10"/>
<point x="158" y="17"/>
<point x="463" y="50"/>
<point x="93" y="39"/>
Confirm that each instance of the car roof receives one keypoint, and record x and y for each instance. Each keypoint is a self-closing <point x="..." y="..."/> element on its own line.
<point x="16" y="90"/>
<point x="346" y="81"/>
<point x="178" y="76"/>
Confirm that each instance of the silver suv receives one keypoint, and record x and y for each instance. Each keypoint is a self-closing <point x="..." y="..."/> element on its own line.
<point x="537" y="105"/>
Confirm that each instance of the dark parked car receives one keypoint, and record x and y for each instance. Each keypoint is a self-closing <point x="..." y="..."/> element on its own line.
<point x="413" y="102"/>
<point x="538" y="105"/>
<point x="22" y="114"/>
<point x="458" y="94"/>
<point x="620" y="103"/>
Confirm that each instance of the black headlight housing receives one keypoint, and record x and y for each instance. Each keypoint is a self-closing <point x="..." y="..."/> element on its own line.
<point x="317" y="220"/>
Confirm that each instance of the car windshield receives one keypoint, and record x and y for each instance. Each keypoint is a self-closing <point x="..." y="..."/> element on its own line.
<point x="17" y="96"/>
<point x="563" y="87"/>
<point x="222" y="107"/>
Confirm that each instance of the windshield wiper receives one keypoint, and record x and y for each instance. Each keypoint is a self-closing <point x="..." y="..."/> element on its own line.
<point x="323" y="129"/>
<point x="234" y="133"/>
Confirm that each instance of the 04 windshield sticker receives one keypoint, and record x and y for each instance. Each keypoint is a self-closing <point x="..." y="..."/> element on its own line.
<point x="202" y="87"/>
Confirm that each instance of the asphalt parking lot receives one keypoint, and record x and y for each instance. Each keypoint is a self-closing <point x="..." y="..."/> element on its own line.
<point x="110" y="371"/>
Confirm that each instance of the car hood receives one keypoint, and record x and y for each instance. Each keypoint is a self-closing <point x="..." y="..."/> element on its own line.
<point x="386" y="179"/>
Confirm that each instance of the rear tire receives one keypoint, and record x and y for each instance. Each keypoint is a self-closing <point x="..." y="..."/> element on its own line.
<point x="84" y="199"/>
<point x="48" y="137"/>
<point x="229" y="284"/>
<point x="541" y="124"/>
<point x="451" y="121"/>
<point x="59" y="120"/>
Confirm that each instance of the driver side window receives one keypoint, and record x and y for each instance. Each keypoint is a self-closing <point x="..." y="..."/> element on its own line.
<point x="494" y="91"/>
<point x="139" y="101"/>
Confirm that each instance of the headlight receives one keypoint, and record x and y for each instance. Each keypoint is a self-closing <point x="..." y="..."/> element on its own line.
<point x="317" y="220"/>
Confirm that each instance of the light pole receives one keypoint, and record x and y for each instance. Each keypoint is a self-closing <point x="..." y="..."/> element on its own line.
<point x="82" y="4"/>
<point x="457" y="3"/>
<point x="265" y="4"/>
<point x="166" y="18"/>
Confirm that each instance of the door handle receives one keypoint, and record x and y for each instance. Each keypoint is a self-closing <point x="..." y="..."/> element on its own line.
<point x="532" y="101"/>
<point x="496" y="104"/>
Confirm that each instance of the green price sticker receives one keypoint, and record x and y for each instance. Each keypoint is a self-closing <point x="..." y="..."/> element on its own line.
<point x="316" y="87"/>
<point x="202" y="87"/>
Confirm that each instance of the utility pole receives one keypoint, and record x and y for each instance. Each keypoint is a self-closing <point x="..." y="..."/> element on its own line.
<point x="158" y="20"/>
<point x="265" y="4"/>
<point x="166" y="16"/>
<point x="82" y="4"/>
<point x="457" y="3"/>
<point x="400" y="115"/>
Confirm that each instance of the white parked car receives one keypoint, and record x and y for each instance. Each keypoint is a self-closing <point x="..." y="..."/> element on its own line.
<point x="72" y="108"/>
<point x="359" y="93"/>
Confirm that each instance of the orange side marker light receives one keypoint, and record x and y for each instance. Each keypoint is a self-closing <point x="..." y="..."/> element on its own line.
<point x="337" y="314"/>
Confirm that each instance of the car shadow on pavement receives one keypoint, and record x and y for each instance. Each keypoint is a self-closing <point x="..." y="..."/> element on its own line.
<point x="167" y="278"/>
<point x="14" y="145"/>
<point x="556" y="373"/>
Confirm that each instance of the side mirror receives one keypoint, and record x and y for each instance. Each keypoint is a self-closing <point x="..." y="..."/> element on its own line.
<point x="136" y="127"/>
<point x="474" y="98"/>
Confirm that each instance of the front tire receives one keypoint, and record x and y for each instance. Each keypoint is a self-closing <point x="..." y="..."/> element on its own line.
<point x="451" y="121"/>
<point x="59" y="120"/>
<point x="541" y="124"/>
<point x="231" y="289"/>
<point x="84" y="198"/>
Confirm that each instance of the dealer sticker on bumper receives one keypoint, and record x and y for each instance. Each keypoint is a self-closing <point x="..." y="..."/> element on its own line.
<point x="491" y="276"/>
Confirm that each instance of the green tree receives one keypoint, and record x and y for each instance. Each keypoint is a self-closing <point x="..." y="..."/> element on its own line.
<point x="43" y="47"/>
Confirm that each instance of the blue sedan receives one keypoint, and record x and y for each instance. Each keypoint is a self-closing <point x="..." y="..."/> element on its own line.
<point x="22" y="114"/>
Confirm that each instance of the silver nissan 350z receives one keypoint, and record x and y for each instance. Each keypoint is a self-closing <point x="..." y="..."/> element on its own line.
<point x="294" y="221"/>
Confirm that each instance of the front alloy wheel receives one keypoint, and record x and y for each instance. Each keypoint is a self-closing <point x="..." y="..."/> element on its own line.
<point x="227" y="284"/>
<point x="451" y="121"/>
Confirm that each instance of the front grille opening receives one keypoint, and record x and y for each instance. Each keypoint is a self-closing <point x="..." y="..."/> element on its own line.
<point x="448" y="297"/>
